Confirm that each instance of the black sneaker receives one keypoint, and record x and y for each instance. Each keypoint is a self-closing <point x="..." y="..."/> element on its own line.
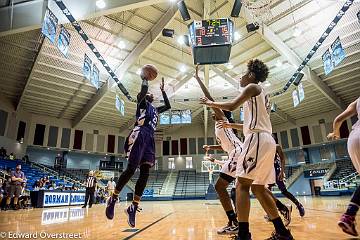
<point x="83" y="206"/>
<point x="131" y="213"/>
<point x="287" y="215"/>
<point x="110" y="208"/>
<point x="277" y="236"/>
<point x="301" y="209"/>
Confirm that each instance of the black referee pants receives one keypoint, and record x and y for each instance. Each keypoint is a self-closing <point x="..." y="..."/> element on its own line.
<point x="89" y="196"/>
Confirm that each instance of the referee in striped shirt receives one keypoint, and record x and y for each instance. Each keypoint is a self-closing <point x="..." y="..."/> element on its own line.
<point x="90" y="184"/>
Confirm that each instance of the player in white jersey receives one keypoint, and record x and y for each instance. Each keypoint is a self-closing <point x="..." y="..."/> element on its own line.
<point x="255" y="167"/>
<point x="228" y="142"/>
<point x="347" y="221"/>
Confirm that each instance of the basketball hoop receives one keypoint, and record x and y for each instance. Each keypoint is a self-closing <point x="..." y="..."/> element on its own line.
<point x="259" y="9"/>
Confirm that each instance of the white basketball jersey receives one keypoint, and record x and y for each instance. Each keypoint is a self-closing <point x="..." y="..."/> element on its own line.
<point x="357" y="124"/>
<point x="227" y="139"/>
<point x="257" y="114"/>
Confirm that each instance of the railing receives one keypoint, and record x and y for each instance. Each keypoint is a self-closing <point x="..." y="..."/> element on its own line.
<point x="53" y="172"/>
<point x="341" y="183"/>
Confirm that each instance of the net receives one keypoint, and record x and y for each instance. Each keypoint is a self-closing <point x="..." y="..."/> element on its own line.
<point x="207" y="166"/>
<point x="259" y="9"/>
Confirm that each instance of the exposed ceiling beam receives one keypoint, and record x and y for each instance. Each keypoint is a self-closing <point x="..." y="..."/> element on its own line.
<point x="31" y="72"/>
<point x="225" y="76"/>
<point x="284" y="116"/>
<point x="29" y="15"/>
<point x="276" y="42"/>
<point x="144" y="44"/>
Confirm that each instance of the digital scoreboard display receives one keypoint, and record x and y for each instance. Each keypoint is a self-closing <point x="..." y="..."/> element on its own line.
<point x="211" y="40"/>
<point x="212" y="32"/>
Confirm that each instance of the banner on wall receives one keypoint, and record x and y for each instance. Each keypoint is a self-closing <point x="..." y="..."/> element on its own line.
<point x="176" y="117"/>
<point x="327" y="62"/>
<point x="165" y="118"/>
<point x="63" y="41"/>
<point x="315" y="173"/>
<point x="120" y="105"/>
<point x="186" y="116"/>
<point x="95" y="74"/>
<point x="338" y="53"/>
<point x="241" y="114"/>
<point x="301" y="92"/>
<point x="295" y="98"/>
<point x="49" y="25"/>
<point x="87" y="67"/>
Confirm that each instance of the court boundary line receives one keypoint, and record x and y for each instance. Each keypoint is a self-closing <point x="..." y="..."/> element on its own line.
<point x="148" y="226"/>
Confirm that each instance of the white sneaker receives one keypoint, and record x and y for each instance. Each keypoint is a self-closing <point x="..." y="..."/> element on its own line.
<point x="228" y="229"/>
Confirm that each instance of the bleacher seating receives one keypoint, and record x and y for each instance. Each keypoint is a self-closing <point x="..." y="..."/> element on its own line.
<point x="191" y="184"/>
<point x="155" y="181"/>
<point x="290" y="170"/>
<point x="32" y="174"/>
<point x="344" y="167"/>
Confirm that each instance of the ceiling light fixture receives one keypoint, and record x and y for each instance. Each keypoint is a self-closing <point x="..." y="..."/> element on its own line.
<point x="237" y="36"/>
<point x="279" y="63"/>
<point x="297" y="32"/>
<point x="181" y="40"/>
<point x="100" y="4"/>
<point x="121" y="45"/>
<point x="229" y="65"/>
<point x="182" y="68"/>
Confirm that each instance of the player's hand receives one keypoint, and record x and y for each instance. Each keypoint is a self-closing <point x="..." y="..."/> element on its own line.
<point x="196" y="72"/>
<point x="162" y="84"/>
<point x="333" y="136"/>
<point x="222" y="124"/>
<point x="205" y="101"/>
<point x="206" y="147"/>
<point x="210" y="158"/>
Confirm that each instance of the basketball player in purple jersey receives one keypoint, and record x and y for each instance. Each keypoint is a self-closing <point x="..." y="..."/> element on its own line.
<point x="140" y="150"/>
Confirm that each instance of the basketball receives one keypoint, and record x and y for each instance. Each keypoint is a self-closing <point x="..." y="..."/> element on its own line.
<point x="149" y="72"/>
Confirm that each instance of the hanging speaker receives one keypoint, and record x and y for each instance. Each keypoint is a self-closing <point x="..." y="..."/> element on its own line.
<point x="298" y="79"/>
<point x="235" y="12"/>
<point x="183" y="11"/>
<point x="251" y="27"/>
<point x="358" y="15"/>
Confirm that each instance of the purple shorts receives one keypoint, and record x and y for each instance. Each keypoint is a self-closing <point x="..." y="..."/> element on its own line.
<point x="140" y="147"/>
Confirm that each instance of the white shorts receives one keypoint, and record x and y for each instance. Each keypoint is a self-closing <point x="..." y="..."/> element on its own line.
<point x="229" y="167"/>
<point x="354" y="148"/>
<point x="256" y="161"/>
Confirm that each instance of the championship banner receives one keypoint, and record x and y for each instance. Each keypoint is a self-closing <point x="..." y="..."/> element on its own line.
<point x="301" y="92"/>
<point x="63" y="41"/>
<point x="186" y="116"/>
<point x="327" y="62"/>
<point x="87" y="67"/>
<point x="95" y="74"/>
<point x="165" y="118"/>
<point x="295" y="98"/>
<point x="89" y="43"/>
<point x="338" y="53"/>
<point x="49" y="25"/>
<point x="120" y="105"/>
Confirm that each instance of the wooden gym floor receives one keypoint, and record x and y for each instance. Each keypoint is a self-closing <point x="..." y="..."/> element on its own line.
<point x="192" y="219"/>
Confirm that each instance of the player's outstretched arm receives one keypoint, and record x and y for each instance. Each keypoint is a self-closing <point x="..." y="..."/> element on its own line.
<point x="349" y="112"/>
<point x="212" y="147"/>
<point x="144" y="89"/>
<point x="219" y="114"/>
<point x="251" y="90"/>
<point x="237" y="126"/>
<point x="167" y="105"/>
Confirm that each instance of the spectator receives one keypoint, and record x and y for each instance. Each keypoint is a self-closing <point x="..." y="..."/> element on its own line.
<point x="36" y="185"/>
<point x="90" y="183"/>
<point x="24" y="198"/>
<point x="17" y="178"/>
<point x="111" y="186"/>
<point x="6" y="189"/>
<point x="12" y="156"/>
<point x="2" y="152"/>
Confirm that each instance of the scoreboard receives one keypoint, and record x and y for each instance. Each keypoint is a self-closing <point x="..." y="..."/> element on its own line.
<point x="211" y="32"/>
<point x="211" y="40"/>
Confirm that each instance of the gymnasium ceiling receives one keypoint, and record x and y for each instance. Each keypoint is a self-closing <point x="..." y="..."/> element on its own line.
<point x="36" y="77"/>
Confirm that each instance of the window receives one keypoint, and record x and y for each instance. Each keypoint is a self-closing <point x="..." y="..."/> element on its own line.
<point x="78" y="139"/>
<point x="111" y="144"/>
<point x="284" y="139"/>
<point x="175" y="147"/>
<point x="39" y="134"/>
<point x="183" y="146"/>
<point x="166" y="148"/>
<point x="171" y="163"/>
<point x="305" y="135"/>
<point x="3" y="121"/>
<point x="189" y="163"/>
<point x="294" y="137"/>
